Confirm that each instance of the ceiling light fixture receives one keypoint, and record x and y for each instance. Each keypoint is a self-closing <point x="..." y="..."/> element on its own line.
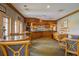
<point x="48" y="6"/>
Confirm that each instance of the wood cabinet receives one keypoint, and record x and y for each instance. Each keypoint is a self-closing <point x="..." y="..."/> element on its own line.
<point x="34" y="23"/>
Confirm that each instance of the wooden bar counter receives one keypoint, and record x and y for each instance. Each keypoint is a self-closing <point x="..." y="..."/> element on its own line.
<point x="40" y="34"/>
<point x="15" y="45"/>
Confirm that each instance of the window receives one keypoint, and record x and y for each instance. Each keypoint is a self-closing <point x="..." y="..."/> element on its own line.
<point x="5" y="27"/>
<point x="21" y="29"/>
<point x="66" y="23"/>
<point x="17" y="26"/>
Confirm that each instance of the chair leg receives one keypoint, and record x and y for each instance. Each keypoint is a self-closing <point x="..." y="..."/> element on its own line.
<point x="59" y="44"/>
<point x="65" y="52"/>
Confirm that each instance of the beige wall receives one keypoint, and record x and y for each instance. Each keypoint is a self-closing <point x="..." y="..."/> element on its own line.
<point x="73" y="24"/>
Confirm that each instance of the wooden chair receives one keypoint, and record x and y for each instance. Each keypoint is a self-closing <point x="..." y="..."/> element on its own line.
<point x="15" y="48"/>
<point x="2" y="53"/>
<point x="72" y="47"/>
<point x="62" y="40"/>
<point x="56" y="36"/>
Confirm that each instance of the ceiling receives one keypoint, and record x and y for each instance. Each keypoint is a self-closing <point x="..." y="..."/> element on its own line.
<point x="46" y="11"/>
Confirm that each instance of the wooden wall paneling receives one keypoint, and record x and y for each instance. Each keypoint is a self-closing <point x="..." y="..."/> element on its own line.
<point x="0" y="24"/>
<point x="1" y="18"/>
<point x="9" y="25"/>
<point x="13" y="24"/>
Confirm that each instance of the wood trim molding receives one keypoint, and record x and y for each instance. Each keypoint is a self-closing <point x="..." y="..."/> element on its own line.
<point x="68" y="14"/>
<point x="3" y="8"/>
<point x="14" y="42"/>
<point x="11" y="6"/>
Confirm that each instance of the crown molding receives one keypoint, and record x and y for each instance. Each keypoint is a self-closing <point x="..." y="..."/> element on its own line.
<point x="11" y="6"/>
<point x="69" y="14"/>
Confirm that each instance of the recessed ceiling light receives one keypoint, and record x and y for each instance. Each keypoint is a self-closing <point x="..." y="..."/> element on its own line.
<point x="48" y="6"/>
<point x="25" y="5"/>
<point x="26" y="9"/>
<point x="61" y="10"/>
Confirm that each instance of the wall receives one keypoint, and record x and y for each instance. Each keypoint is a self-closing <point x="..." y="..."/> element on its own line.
<point x="73" y="24"/>
<point x="11" y="14"/>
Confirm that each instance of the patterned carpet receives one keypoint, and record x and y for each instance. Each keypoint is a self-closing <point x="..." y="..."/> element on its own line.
<point x="45" y="47"/>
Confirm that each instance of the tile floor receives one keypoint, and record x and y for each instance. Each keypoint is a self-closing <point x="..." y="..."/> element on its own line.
<point x="45" y="47"/>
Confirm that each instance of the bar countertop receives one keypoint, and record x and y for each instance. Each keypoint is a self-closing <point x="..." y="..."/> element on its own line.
<point x="15" y="38"/>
